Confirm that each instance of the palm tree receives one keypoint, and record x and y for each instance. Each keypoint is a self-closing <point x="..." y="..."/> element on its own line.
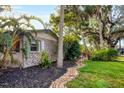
<point x="5" y="8"/>
<point x="12" y="30"/>
<point x="60" y="43"/>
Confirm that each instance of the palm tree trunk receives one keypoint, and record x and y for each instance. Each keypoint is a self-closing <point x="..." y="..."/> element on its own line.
<point x="60" y="43"/>
<point x="4" y="59"/>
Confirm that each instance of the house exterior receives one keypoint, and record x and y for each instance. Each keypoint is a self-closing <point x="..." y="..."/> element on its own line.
<point x="47" y="41"/>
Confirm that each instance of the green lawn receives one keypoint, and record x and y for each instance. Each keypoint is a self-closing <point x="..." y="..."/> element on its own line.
<point x="100" y="75"/>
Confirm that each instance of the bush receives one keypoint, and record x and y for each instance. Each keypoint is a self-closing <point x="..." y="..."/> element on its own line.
<point x="15" y="61"/>
<point x="45" y="61"/>
<point x="71" y="48"/>
<point x="104" y="55"/>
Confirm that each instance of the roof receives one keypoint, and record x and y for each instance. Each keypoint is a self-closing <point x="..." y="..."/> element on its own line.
<point x="48" y="31"/>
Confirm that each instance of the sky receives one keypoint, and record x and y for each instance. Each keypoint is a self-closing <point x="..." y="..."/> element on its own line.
<point x="42" y="11"/>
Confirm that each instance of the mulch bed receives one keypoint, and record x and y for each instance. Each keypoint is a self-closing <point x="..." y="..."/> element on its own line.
<point x="33" y="77"/>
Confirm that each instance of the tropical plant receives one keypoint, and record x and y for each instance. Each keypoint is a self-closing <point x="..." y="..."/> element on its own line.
<point x="12" y="31"/>
<point x="5" y="8"/>
<point x="45" y="61"/>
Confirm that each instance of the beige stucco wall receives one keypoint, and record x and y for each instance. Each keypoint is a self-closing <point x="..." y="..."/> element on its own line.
<point x="18" y="57"/>
<point x="42" y="35"/>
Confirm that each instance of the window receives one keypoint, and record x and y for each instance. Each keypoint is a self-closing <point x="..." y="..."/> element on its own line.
<point x="35" y="46"/>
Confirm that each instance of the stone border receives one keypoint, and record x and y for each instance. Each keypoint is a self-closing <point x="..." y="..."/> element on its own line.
<point x="71" y="74"/>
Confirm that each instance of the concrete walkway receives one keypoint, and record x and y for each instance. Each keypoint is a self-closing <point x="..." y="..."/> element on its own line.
<point x="71" y="74"/>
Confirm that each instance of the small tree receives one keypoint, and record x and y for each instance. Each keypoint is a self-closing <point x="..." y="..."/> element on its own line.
<point x="5" y="8"/>
<point x="12" y="30"/>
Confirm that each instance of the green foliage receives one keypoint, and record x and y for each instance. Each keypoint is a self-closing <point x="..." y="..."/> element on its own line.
<point x="82" y="48"/>
<point x="45" y="61"/>
<point x="15" y="61"/>
<point x="71" y="47"/>
<point x="26" y="49"/>
<point x="104" y="55"/>
<point x="54" y="21"/>
<point x="71" y="21"/>
<point x="12" y="30"/>
<point x="6" y="39"/>
<point x="86" y="19"/>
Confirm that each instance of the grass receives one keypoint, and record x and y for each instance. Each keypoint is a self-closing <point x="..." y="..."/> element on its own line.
<point x="100" y="75"/>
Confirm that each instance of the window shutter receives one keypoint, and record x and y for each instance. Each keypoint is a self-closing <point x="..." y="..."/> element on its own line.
<point x="42" y="45"/>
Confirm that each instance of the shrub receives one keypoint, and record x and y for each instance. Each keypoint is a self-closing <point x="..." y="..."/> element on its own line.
<point x="104" y="55"/>
<point x="15" y="61"/>
<point x="45" y="61"/>
<point x="71" y="48"/>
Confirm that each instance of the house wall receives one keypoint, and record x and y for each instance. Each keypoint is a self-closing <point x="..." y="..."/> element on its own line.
<point x="50" y="45"/>
<point x="17" y="56"/>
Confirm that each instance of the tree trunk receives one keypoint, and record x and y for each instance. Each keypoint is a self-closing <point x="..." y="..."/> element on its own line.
<point x="4" y="59"/>
<point x="60" y="43"/>
<point x="84" y="42"/>
<point x="100" y="35"/>
<point x="120" y="43"/>
<point x="100" y="28"/>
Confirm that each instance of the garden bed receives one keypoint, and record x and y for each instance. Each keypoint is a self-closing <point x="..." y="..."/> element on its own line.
<point x="32" y="77"/>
